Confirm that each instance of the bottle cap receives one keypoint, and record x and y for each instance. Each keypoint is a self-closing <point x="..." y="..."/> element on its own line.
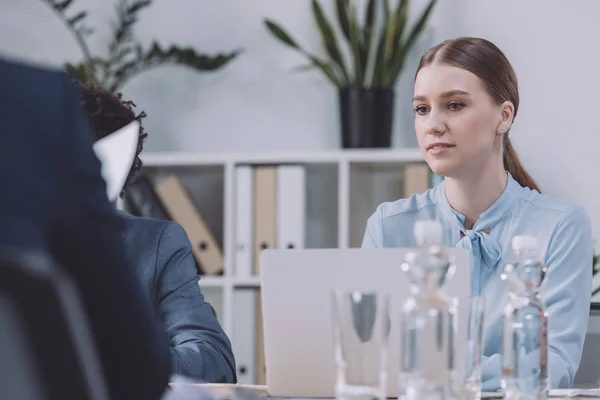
<point x="524" y="243"/>
<point x="428" y="231"/>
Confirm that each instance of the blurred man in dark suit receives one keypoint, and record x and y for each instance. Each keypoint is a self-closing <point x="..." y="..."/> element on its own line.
<point x="161" y="258"/>
<point x="53" y="200"/>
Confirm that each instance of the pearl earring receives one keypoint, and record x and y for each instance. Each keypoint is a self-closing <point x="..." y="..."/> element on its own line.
<point x="502" y="131"/>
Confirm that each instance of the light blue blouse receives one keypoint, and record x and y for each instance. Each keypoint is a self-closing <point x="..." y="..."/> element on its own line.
<point x="563" y="232"/>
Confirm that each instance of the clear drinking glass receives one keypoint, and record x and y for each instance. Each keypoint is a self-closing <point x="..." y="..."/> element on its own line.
<point x="468" y="318"/>
<point x="361" y="326"/>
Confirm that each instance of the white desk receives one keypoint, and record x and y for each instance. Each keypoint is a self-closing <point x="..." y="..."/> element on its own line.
<point x="219" y="390"/>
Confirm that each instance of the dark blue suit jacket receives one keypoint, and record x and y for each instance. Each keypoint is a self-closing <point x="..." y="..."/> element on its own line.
<point x="161" y="254"/>
<point x="53" y="200"/>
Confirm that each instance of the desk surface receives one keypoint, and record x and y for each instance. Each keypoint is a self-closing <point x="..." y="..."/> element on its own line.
<point x="218" y="389"/>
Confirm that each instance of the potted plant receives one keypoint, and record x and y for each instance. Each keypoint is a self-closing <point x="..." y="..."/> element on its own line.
<point x="366" y="83"/>
<point x="126" y="56"/>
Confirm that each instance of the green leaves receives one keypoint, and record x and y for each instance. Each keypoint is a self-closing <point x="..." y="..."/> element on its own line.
<point x="126" y="56"/>
<point x="418" y="27"/>
<point x="156" y="56"/>
<point x="371" y="67"/>
<point x="398" y="51"/>
<point x="357" y="43"/>
<point x="341" y="7"/>
<point x="367" y="36"/>
<point x="77" y="18"/>
<point x="280" y="34"/>
<point x="78" y="71"/>
<point x="61" y="5"/>
<point x="329" y="39"/>
<point x="138" y="5"/>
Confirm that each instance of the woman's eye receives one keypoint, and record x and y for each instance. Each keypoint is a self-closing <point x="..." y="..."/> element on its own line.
<point x="455" y="106"/>
<point x="421" y="110"/>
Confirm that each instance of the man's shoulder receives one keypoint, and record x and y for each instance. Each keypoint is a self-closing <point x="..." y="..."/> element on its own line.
<point x="152" y="231"/>
<point x="151" y="243"/>
<point x="134" y="225"/>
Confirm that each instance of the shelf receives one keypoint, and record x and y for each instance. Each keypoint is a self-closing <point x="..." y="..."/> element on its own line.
<point x="253" y="281"/>
<point x="341" y="189"/>
<point x="212" y="281"/>
<point x="173" y="159"/>
<point x="220" y="281"/>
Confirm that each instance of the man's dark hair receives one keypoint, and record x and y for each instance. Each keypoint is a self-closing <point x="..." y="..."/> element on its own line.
<point x="107" y="112"/>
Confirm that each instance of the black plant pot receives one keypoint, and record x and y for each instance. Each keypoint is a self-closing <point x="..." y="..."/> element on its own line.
<point x="366" y="117"/>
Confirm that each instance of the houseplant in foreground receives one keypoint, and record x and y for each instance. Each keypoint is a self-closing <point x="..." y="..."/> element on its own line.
<point x="366" y="82"/>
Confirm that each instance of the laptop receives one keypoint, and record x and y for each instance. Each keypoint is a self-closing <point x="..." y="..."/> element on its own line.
<point x="296" y="288"/>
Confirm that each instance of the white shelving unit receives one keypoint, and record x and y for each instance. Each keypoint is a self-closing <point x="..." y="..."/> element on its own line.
<point x="171" y="159"/>
<point x="343" y="188"/>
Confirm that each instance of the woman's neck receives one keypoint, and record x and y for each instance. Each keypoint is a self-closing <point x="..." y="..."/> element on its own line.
<point x="473" y="194"/>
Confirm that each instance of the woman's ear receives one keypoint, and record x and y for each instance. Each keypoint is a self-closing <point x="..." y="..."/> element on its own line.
<point x="507" y="113"/>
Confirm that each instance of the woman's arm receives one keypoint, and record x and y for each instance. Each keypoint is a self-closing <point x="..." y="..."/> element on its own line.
<point x="373" y="233"/>
<point x="567" y="293"/>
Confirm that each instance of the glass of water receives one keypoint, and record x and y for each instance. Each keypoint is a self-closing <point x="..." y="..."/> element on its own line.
<point x="361" y="326"/>
<point x="468" y="319"/>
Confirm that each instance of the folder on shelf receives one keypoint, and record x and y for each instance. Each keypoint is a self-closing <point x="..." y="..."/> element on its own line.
<point x="261" y="365"/>
<point x="265" y="236"/>
<point x="142" y="200"/>
<point x="182" y="210"/>
<point x="291" y="206"/>
<point x="265" y="204"/>
<point x="244" y="210"/>
<point x="244" y="339"/>
<point x="415" y="179"/>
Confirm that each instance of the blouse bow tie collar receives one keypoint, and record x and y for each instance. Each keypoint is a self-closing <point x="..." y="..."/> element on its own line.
<point x="484" y="250"/>
<point x="485" y="253"/>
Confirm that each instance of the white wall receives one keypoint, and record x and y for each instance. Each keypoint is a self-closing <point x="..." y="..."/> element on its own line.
<point x="256" y="103"/>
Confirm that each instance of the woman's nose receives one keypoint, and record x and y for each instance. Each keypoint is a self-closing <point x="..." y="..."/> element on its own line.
<point x="434" y="124"/>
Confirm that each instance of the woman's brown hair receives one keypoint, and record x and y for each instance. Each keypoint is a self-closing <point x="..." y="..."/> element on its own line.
<point x="488" y="62"/>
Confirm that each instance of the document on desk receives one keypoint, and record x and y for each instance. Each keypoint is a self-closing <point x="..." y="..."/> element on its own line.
<point x="116" y="153"/>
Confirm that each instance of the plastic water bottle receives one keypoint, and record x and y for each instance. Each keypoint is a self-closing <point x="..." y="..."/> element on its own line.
<point x="525" y="335"/>
<point x="426" y="319"/>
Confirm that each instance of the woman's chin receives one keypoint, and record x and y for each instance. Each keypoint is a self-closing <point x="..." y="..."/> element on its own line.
<point x="443" y="167"/>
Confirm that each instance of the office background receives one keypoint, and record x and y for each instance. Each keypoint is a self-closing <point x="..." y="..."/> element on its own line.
<point x="256" y="103"/>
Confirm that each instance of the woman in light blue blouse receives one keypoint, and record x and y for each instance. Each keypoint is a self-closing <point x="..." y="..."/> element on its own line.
<point x="465" y="99"/>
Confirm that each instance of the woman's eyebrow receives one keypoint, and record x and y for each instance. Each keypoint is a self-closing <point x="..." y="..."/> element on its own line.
<point x="444" y="95"/>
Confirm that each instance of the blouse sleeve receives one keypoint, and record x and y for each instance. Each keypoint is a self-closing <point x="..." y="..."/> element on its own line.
<point x="373" y="233"/>
<point x="566" y="292"/>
